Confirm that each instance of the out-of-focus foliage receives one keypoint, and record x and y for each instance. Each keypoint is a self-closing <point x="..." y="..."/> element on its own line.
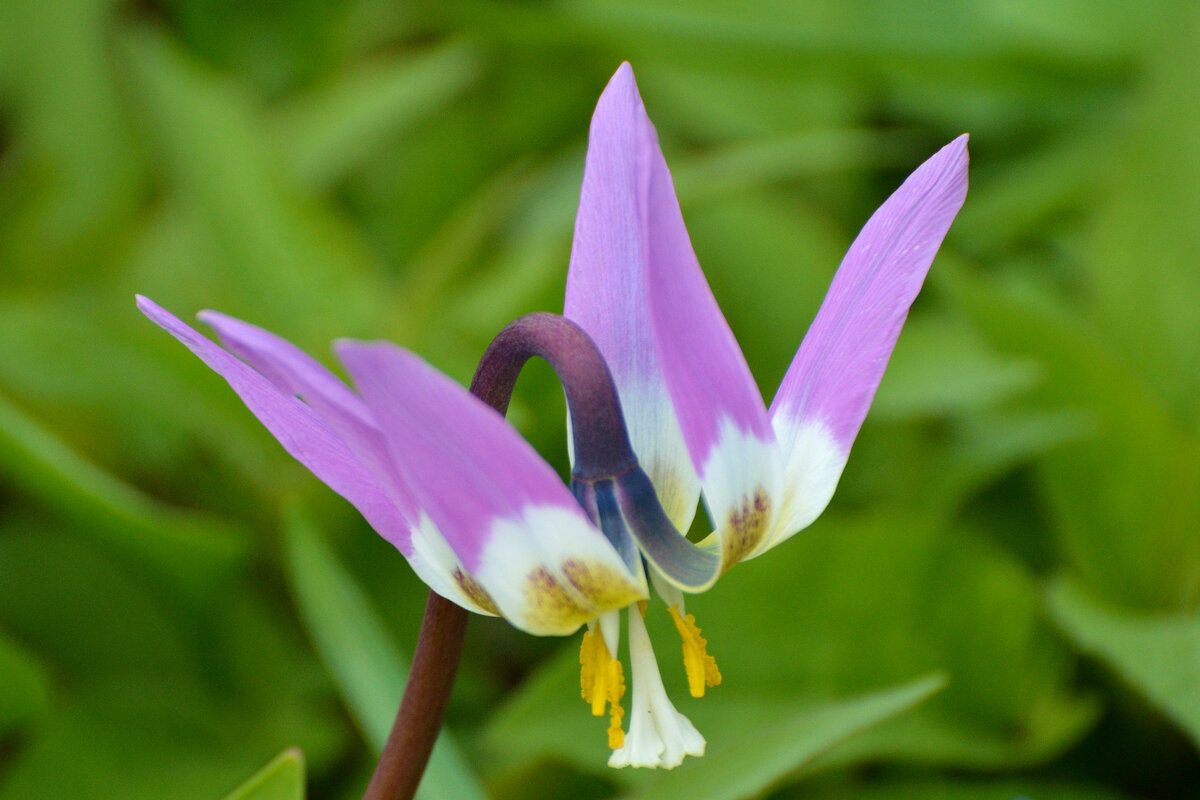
<point x="282" y="779"/>
<point x="1021" y="513"/>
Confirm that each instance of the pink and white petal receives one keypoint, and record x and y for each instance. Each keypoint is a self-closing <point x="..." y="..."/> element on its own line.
<point x="301" y="432"/>
<point x="513" y="525"/>
<point x="438" y="566"/>
<point x="606" y="293"/>
<point x="720" y="410"/>
<point x="829" y="386"/>
<point x="294" y="372"/>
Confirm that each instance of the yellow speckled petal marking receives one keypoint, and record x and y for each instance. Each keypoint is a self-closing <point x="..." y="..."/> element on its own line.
<point x="590" y="589"/>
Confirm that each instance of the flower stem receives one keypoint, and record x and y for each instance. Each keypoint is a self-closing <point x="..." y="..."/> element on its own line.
<point x="426" y="696"/>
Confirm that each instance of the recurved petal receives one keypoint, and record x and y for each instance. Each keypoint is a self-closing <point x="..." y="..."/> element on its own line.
<point x="294" y="372"/>
<point x="720" y="411"/>
<point x="829" y="386"/>
<point x="606" y="290"/>
<point x="297" y="427"/>
<point x="514" y="527"/>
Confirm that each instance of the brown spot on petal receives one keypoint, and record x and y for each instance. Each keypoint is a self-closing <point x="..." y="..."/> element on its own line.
<point x="474" y="592"/>
<point x="555" y="606"/>
<point x="745" y="528"/>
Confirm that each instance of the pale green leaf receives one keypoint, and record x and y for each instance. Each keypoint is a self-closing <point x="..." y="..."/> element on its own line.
<point x="189" y="552"/>
<point x="282" y="779"/>
<point x="779" y="749"/>
<point x="326" y="133"/>
<point x="1158" y="654"/>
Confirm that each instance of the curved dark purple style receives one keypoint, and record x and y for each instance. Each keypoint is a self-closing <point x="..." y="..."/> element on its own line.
<point x="597" y="425"/>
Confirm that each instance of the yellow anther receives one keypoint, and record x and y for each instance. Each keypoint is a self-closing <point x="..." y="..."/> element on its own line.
<point x="616" y="734"/>
<point x="701" y="667"/>
<point x="602" y="681"/>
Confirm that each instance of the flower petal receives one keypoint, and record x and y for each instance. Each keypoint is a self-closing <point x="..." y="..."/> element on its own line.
<point x="297" y="373"/>
<point x="829" y="386"/>
<point x="294" y="372"/>
<point x="503" y="511"/>
<point x="606" y="292"/>
<point x="720" y="410"/>
<point x="301" y="432"/>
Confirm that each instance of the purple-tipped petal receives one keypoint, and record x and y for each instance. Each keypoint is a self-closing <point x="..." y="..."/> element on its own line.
<point x="829" y="386"/>
<point x="297" y="427"/>
<point x="606" y="292"/>
<point x="294" y="372"/>
<point x="503" y="511"/>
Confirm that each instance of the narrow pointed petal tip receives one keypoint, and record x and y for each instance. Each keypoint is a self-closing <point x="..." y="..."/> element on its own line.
<point x="301" y="431"/>
<point x="331" y="433"/>
<point x="831" y="382"/>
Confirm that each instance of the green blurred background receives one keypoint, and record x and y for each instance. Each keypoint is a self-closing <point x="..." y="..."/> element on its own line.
<point x="179" y="602"/>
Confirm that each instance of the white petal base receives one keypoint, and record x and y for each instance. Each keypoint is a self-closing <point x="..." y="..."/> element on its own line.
<point x="656" y="438"/>
<point x="550" y="571"/>
<point x="435" y="563"/>
<point x="659" y="736"/>
<point x="742" y="478"/>
<point x="812" y="465"/>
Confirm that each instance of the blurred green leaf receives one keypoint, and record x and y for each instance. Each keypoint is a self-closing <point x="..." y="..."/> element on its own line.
<point x="1126" y="499"/>
<point x="988" y="446"/>
<point x="190" y="552"/>
<point x="144" y="738"/>
<point x="1146" y="246"/>
<point x="1013" y="199"/>
<point x="763" y="162"/>
<point x="1158" y="654"/>
<point x="282" y="779"/>
<point x="749" y="767"/>
<point x="327" y="132"/>
<point x="366" y="666"/>
<point x="283" y="253"/>
<point x="74" y="141"/>
<point x="945" y="789"/>
<point x="24" y="687"/>
<point x="941" y="368"/>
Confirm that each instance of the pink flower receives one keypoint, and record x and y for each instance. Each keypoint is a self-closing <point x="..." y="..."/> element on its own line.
<point x="486" y="523"/>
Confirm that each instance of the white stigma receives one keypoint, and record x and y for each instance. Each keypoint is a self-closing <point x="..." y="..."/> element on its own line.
<point x="659" y="736"/>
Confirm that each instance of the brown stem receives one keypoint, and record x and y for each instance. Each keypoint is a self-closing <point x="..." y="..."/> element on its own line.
<point x="426" y="696"/>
